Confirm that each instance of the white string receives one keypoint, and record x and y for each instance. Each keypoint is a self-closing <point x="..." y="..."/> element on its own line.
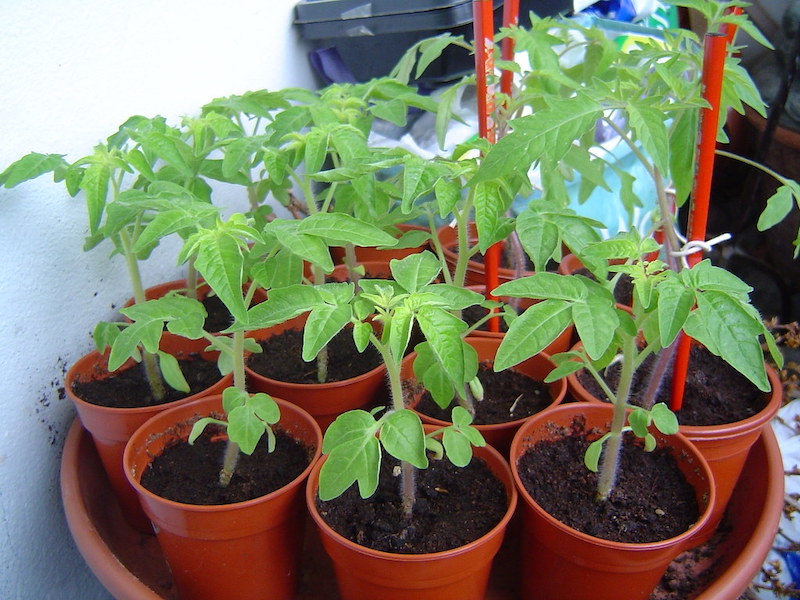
<point x="698" y="246"/>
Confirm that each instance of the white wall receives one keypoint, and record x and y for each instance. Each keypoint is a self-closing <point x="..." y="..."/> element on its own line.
<point x="71" y="72"/>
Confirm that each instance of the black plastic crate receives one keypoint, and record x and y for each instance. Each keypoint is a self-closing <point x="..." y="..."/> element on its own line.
<point x="370" y="37"/>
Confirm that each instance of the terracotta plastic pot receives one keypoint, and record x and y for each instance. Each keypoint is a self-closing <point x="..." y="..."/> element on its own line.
<point x="499" y="435"/>
<point x="377" y="269"/>
<point x="458" y="574"/>
<point x="561" y="562"/>
<point x="561" y="344"/>
<point x="371" y="253"/>
<point x="476" y="272"/>
<point x="323" y="401"/>
<point x="203" y="291"/>
<point x="112" y="427"/>
<point x="246" y="550"/>
<point x="725" y="446"/>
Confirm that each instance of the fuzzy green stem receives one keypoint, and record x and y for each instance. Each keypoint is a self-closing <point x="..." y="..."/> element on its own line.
<point x="462" y="228"/>
<point x="609" y="464"/>
<point x="229" y="463"/>
<point x="407" y="472"/>
<point x="191" y="279"/>
<point x="350" y="262"/>
<point x="152" y="372"/>
<point x="437" y="247"/>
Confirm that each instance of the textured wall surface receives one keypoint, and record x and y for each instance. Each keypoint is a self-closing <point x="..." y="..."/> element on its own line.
<point x="71" y="73"/>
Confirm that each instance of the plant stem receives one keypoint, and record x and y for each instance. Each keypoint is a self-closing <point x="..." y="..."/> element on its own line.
<point x="609" y="464"/>
<point x="407" y="472"/>
<point x="462" y="226"/>
<point x="231" y="457"/>
<point x="152" y="372"/>
<point x="657" y="374"/>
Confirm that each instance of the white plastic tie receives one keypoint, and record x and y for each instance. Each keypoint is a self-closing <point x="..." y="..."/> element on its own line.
<point x="699" y="246"/>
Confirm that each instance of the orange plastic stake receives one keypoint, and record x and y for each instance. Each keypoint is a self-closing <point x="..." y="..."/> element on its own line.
<point x="714" y="53"/>
<point x="483" y="22"/>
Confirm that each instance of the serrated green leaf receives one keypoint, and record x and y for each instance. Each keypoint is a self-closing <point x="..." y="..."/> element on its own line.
<point x="532" y="332"/>
<point x="283" y="304"/>
<point x="357" y="461"/>
<point x="340" y="228"/>
<point x="30" y="167"/>
<point x="674" y="304"/>
<point x="415" y="271"/>
<point x="545" y="285"/>
<point x="596" y="322"/>
<point x="323" y="323"/>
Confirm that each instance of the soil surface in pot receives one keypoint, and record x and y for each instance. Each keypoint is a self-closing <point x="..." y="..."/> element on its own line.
<point x="473" y="314"/>
<point x="218" y="316"/>
<point x="508" y="396"/>
<point x="129" y="388"/>
<point x="281" y="358"/>
<point x="454" y="506"/>
<point x="623" y="290"/>
<point x="190" y="473"/>
<point x="715" y="392"/>
<point x="651" y="501"/>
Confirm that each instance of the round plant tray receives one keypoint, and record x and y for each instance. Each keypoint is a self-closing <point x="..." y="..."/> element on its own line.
<point x="131" y="567"/>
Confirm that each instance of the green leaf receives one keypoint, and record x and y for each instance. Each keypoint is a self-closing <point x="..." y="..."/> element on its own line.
<point x="727" y="328"/>
<point x="545" y="285"/>
<point x="596" y="321"/>
<point x="340" y="229"/>
<point x="323" y="323"/>
<point x="539" y="238"/>
<point x="126" y="345"/>
<point x="316" y="149"/>
<point x="95" y="185"/>
<point x="674" y="304"/>
<point x="30" y="167"/>
<point x="171" y="371"/>
<point x="592" y="457"/>
<point x="283" y="304"/>
<point x="353" y="455"/>
<point x="650" y="127"/>
<point x="639" y="420"/>
<point x="664" y="419"/>
<point x="402" y="436"/>
<point x="532" y="332"/>
<point x="265" y="408"/>
<point x="220" y="260"/>
<point x="415" y="271"/>
<point x="245" y="428"/>
<point x="457" y="447"/>
<point x="778" y="206"/>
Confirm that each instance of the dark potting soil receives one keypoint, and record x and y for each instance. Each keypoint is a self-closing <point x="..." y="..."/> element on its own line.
<point x="129" y="388"/>
<point x="651" y="501"/>
<point x="454" y="506"/>
<point x="508" y="396"/>
<point x="623" y="290"/>
<point x="693" y="570"/>
<point x="473" y="314"/>
<point x="218" y="316"/>
<point x="715" y="392"/>
<point x="281" y="358"/>
<point x="190" y="473"/>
